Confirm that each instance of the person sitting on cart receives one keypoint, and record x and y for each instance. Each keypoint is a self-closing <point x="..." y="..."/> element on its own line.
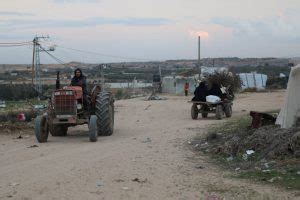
<point x="80" y="80"/>
<point x="201" y="92"/>
<point x="215" y="90"/>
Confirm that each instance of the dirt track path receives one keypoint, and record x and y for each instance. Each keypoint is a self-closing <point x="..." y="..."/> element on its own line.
<point x="149" y="146"/>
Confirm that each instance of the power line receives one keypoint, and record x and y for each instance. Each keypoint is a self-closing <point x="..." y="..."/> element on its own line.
<point x="100" y="54"/>
<point x="14" y="45"/>
<point x="53" y="57"/>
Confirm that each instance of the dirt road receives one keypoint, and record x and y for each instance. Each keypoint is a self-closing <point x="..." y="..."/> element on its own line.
<point x="146" y="158"/>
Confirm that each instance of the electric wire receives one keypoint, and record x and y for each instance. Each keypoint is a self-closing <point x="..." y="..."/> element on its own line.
<point x="100" y="54"/>
<point x="54" y="57"/>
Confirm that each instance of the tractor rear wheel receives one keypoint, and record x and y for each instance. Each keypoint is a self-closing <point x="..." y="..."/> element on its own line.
<point x="41" y="129"/>
<point x="219" y="112"/>
<point x="93" y="133"/>
<point x="194" y="111"/>
<point x="105" y="114"/>
<point x="58" y="130"/>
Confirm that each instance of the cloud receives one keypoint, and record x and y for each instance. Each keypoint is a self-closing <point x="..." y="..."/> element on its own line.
<point x="283" y="26"/>
<point x="11" y="13"/>
<point x="27" y="24"/>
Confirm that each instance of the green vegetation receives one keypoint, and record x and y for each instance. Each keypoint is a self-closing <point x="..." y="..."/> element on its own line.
<point x="289" y="177"/>
<point x="232" y="126"/>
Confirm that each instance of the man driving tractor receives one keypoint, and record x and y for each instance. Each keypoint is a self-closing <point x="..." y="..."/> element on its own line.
<point x="80" y="80"/>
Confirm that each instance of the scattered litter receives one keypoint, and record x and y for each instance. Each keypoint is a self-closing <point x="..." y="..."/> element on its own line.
<point x="237" y="169"/>
<point x="100" y="183"/>
<point x="250" y="152"/>
<point x="266" y="165"/>
<point x="139" y="181"/>
<point x="189" y="142"/>
<point x="14" y="184"/>
<point x="196" y="145"/>
<point x="274" y="179"/>
<point x="199" y="167"/>
<point x="245" y="157"/>
<point x="204" y="144"/>
<point x="147" y="107"/>
<point x="33" y="146"/>
<point x="19" y="137"/>
<point x="266" y="170"/>
<point x="298" y="172"/>
<point x="229" y="159"/>
<point x="155" y="97"/>
<point x="119" y="180"/>
<point x="39" y="107"/>
<point x="21" y="117"/>
<point x="148" y="140"/>
<point x="125" y="188"/>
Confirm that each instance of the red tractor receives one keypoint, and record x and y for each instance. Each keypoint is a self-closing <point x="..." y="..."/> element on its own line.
<point x="67" y="108"/>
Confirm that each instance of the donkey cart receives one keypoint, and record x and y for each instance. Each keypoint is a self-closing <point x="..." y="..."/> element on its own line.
<point x="220" y="109"/>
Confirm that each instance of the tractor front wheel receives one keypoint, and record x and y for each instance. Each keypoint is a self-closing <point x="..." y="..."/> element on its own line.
<point x="41" y="129"/>
<point x="93" y="132"/>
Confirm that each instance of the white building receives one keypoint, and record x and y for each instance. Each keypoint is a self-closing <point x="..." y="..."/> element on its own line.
<point x="175" y="84"/>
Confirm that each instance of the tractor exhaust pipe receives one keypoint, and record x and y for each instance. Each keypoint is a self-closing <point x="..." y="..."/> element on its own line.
<point x="57" y="81"/>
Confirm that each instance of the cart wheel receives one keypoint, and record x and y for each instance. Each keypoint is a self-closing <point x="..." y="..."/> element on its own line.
<point x="194" y="111"/>
<point x="204" y="111"/>
<point x="219" y="112"/>
<point x="228" y="110"/>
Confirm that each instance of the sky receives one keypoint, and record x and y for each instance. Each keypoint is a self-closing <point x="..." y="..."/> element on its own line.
<point x="150" y="30"/>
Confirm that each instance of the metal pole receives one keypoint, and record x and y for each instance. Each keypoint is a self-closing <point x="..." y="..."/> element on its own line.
<point x="33" y="60"/>
<point x="199" y="58"/>
<point x="199" y="49"/>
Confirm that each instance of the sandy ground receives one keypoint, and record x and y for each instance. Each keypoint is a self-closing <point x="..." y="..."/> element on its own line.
<point x="147" y="158"/>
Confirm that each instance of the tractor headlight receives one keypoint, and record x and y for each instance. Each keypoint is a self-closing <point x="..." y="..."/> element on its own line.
<point x="57" y="93"/>
<point x="69" y="92"/>
<point x="79" y="106"/>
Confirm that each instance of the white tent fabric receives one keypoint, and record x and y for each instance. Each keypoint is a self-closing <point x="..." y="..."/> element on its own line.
<point x="288" y="115"/>
<point x="253" y="80"/>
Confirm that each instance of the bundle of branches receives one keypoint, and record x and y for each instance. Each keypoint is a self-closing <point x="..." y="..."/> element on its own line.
<point x="226" y="79"/>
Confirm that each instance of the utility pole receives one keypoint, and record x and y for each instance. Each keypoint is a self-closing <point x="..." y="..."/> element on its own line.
<point x="199" y="49"/>
<point x="36" y="78"/>
<point x="101" y="70"/>
<point x="33" y="61"/>
<point x="199" y="58"/>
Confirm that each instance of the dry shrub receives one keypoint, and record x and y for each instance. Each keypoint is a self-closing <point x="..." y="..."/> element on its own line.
<point x="227" y="79"/>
